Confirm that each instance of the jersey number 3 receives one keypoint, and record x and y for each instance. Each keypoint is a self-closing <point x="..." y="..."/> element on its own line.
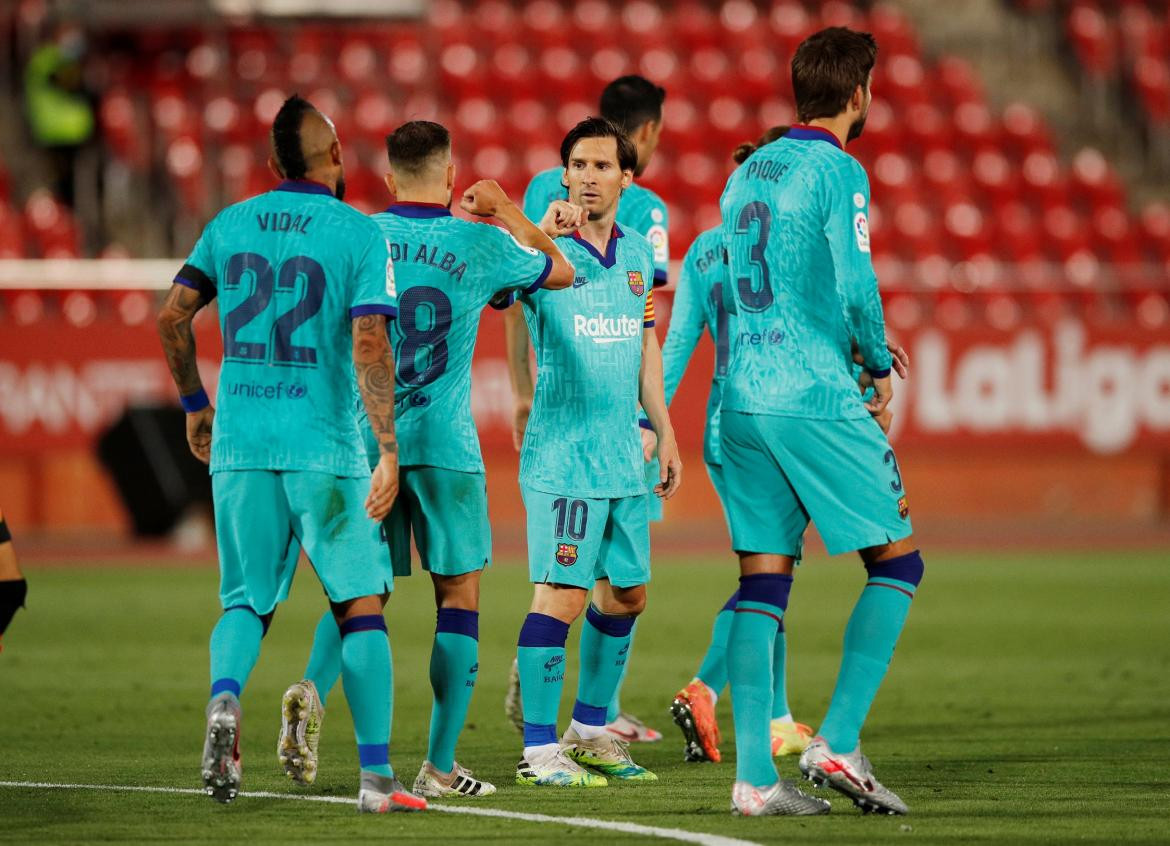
<point x="264" y="282"/>
<point x="753" y="296"/>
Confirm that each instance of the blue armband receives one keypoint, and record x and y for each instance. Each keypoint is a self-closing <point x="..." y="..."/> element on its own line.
<point x="195" y="402"/>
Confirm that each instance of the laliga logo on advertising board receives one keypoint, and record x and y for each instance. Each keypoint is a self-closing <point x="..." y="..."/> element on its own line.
<point x="1104" y="393"/>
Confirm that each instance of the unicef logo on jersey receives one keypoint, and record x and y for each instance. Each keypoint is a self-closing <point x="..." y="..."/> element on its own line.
<point x="606" y="330"/>
<point x="257" y="390"/>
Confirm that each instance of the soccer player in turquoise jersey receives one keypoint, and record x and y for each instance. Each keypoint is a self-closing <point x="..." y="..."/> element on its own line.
<point x="447" y="270"/>
<point x="305" y="286"/>
<point x="634" y="104"/>
<point x="699" y="306"/>
<point x="581" y="468"/>
<point x="799" y="441"/>
<point x="13" y="587"/>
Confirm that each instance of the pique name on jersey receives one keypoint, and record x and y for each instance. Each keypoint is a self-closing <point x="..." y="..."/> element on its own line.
<point x="768" y="170"/>
<point x="284" y="222"/>
<point x="431" y="256"/>
<point x="606" y="330"/>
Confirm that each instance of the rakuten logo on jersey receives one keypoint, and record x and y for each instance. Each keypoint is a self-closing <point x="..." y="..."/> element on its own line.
<point x="606" y="330"/>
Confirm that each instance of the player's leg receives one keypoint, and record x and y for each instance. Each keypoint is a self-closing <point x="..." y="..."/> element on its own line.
<point x="693" y="707"/>
<point x="328" y="514"/>
<point x="788" y="736"/>
<point x="619" y="596"/>
<point x="847" y="476"/>
<point x="564" y="537"/>
<point x="253" y="536"/>
<point x="767" y="522"/>
<point x="13" y="587"/>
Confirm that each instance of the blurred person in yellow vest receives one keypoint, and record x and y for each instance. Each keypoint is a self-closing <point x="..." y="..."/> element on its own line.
<point x="60" y="112"/>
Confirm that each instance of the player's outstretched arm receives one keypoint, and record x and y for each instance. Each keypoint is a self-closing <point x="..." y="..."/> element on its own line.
<point x="519" y="371"/>
<point x="653" y="399"/>
<point x="487" y="199"/>
<point x="178" y="342"/>
<point x="373" y="361"/>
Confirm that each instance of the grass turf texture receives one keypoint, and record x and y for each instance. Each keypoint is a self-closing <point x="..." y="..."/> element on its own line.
<point x="1028" y="701"/>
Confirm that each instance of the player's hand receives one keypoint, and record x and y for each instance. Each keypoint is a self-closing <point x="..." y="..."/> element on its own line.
<point x="649" y="443"/>
<point x="562" y="218"/>
<point x="669" y="467"/>
<point x="520" y="422"/>
<point x="484" y="198"/>
<point x="199" y="433"/>
<point x="383" y="487"/>
<point x="884" y="419"/>
<point x="900" y="361"/>
<point x="883" y="392"/>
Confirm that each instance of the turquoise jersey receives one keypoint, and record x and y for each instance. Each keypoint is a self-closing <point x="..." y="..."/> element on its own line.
<point x="639" y="210"/>
<point x="291" y="268"/>
<point x="582" y="436"/>
<point x="795" y="224"/>
<point x="698" y="305"/>
<point x="447" y="270"/>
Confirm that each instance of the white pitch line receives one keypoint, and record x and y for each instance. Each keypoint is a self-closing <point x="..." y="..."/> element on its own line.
<point x="580" y="822"/>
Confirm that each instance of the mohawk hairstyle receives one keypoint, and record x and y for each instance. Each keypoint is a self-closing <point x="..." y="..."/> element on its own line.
<point x="286" y="136"/>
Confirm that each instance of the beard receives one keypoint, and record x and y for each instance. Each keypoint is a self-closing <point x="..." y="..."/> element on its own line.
<point x="339" y="191"/>
<point x="856" y="128"/>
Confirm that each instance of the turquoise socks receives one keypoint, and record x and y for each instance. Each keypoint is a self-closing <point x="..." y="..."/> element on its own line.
<point x="235" y="648"/>
<point x="366" y="673"/>
<point x="540" y="655"/>
<point x="614" y="709"/>
<point x="713" y="669"/>
<point x="325" y="657"/>
<point x="763" y="598"/>
<point x="454" y="665"/>
<point x="605" y="646"/>
<point x="870" y="638"/>
<point x="780" y="676"/>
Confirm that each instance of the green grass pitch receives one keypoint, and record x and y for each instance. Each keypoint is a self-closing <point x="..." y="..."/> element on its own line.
<point x="1029" y="701"/>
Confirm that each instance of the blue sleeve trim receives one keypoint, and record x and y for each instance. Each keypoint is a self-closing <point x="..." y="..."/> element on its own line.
<point x="645" y="424"/>
<point x="878" y="374"/>
<point x="540" y="280"/>
<point x="189" y="276"/>
<point x="660" y="278"/>
<point x="358" y="311"/>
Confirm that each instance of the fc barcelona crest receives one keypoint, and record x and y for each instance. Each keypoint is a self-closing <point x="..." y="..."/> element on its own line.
<point x="903" y="508"/>
<point x="637" y="284"/>
<point x="567" y="554"/>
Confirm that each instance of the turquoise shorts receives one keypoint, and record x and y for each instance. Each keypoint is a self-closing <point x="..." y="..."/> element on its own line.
<point x="782" y="472"/>
<point x="263" y="518"/>
<point x="574" y="541"/>
<point x="447" y="513"/>
<point x="653" y="500"/>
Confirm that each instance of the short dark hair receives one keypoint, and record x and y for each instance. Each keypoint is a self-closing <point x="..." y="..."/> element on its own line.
<point x="827" y="68"/>
<point x="409" y="146"/>
<point x="630" y="101"/>
<point x="741" y="153"/>
<point x="599" y="127"/>
<point x="286" y="136"/>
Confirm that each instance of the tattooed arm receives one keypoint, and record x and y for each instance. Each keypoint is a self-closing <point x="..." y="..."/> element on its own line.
<point x="178" y="342"/>
<point x="373" y="361"/>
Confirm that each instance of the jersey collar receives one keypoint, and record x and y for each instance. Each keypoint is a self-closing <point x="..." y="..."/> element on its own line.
<point x="610" y="257"/>
<point x="804" y="132"/>
<point x="304" y="186"/>
<point x="409" y="209"/>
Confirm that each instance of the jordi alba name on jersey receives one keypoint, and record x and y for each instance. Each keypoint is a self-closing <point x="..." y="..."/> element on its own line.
<point x="795" y="223"/>
<point x="291" y="269"/>
<point x="639" y="210"/>
<point x="447" y="270"/>
<point x="698" y="305"/>
<point x="582" y="437"/>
